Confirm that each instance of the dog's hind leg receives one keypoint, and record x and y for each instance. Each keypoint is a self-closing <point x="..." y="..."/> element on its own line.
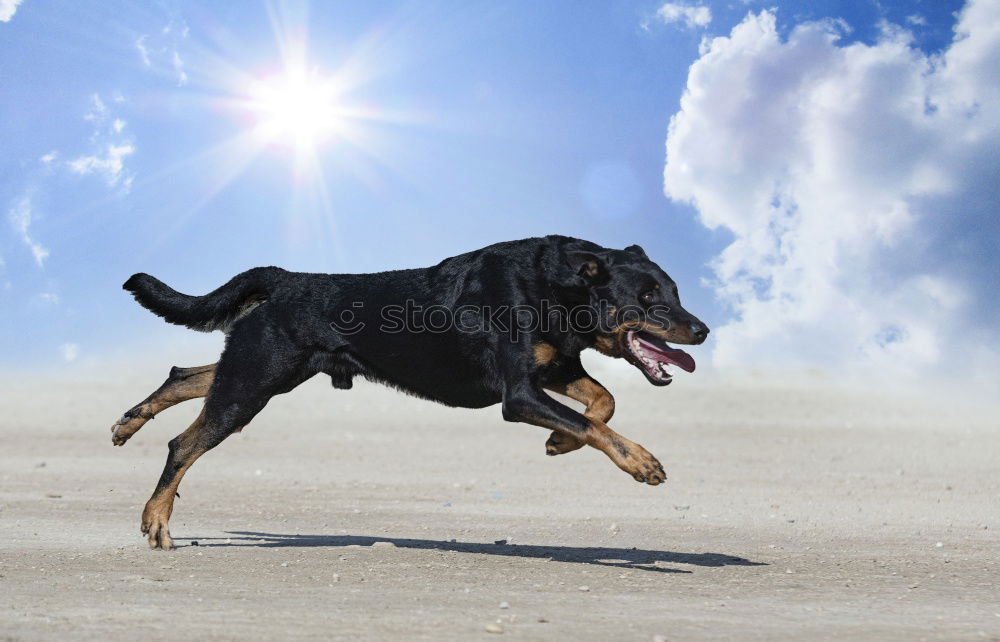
<point x="600" y="405"/>
<point x="250" y="372"/>
<point x="182" y="384"/>
<point x="184" y="449"/>
<point x="227" y="410"/>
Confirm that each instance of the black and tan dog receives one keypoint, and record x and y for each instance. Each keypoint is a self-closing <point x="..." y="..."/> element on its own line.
<point x="498" y="325"/>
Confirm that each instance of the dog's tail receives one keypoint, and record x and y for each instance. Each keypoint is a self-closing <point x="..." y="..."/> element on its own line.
<point x="217" y="310"/>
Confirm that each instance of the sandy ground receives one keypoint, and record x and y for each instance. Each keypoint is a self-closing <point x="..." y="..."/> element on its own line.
<point x="790" y="512"/>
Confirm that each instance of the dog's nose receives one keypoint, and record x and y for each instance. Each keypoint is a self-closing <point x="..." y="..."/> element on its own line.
<point x="699" y="331"/>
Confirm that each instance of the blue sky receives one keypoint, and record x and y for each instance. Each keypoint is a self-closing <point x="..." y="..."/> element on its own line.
<point x="128" y="145"/>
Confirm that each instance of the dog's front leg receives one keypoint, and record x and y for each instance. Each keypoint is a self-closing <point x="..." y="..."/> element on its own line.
<point x="526" y="402"/>
<point x="600" y="405"/>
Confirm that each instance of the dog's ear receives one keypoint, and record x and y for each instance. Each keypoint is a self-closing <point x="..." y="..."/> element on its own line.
<point x="590" y="267"/>
<point x="638" y="251"/>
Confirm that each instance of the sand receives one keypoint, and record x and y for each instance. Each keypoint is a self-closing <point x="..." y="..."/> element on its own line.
<point x="791" y="511"/>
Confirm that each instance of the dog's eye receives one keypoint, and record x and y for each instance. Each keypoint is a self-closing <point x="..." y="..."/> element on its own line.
<point x="647" y="297"/>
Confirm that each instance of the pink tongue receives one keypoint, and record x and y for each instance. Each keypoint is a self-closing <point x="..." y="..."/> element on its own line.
<point x="679" y="358"/>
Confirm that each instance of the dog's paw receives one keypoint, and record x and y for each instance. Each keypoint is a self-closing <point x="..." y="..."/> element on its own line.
<point x="154" y="527"/>
<point x="127" y="425"/>
<point x="643" y="467"/>
<point x="559" y="444"/>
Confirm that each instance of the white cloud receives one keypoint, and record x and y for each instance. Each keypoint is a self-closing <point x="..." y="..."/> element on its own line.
<point x="98" y="110"/>
<point x="916" y="19"/>
<point x="859" y="184"/>
<point x="140" y="46"/>
<point x="113" y="147"/>
<point x="70" y="351"/>
<point x="8" y="8"/>
<point x="692" y="17"/>
<point x="178" y="64"/>
<point x="47" y="159"/>
<point x="49" y="297"/>
<point x="20" y="219"/>
<point x="160" y="52"/>
<point x="110" y="163"/>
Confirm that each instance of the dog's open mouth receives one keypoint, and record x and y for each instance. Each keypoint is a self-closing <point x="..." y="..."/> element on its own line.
<point x="655" y="357"/>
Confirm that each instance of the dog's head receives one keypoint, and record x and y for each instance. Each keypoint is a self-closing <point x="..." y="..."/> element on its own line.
<point x="637" y="308"/>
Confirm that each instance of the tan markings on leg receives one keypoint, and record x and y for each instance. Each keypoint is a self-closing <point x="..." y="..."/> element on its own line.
<point x="560" y="443"/>
<point x="182" y="384"/>
<point x="600" y="406"/>
<point x="627" y="455"/>
<point x="544" y="353"/>
<point x="185" y="449"/>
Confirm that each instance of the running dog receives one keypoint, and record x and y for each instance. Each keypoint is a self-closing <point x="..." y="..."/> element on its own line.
<point x="498" y="325"/>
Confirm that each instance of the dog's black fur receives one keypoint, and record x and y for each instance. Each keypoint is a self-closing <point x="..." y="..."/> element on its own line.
<point x="285" y="327"/>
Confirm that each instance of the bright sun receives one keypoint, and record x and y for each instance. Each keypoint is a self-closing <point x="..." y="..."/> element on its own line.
<point x="296" y="109"/>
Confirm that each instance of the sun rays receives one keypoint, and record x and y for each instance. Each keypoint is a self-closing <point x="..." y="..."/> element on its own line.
<point x="311" y="111"/>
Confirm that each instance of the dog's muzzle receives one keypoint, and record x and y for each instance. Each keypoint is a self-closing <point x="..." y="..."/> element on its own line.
<point x="655" y="357"/>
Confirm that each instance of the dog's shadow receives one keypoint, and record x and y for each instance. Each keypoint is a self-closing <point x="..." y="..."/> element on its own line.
<point x="632" y="558"/>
